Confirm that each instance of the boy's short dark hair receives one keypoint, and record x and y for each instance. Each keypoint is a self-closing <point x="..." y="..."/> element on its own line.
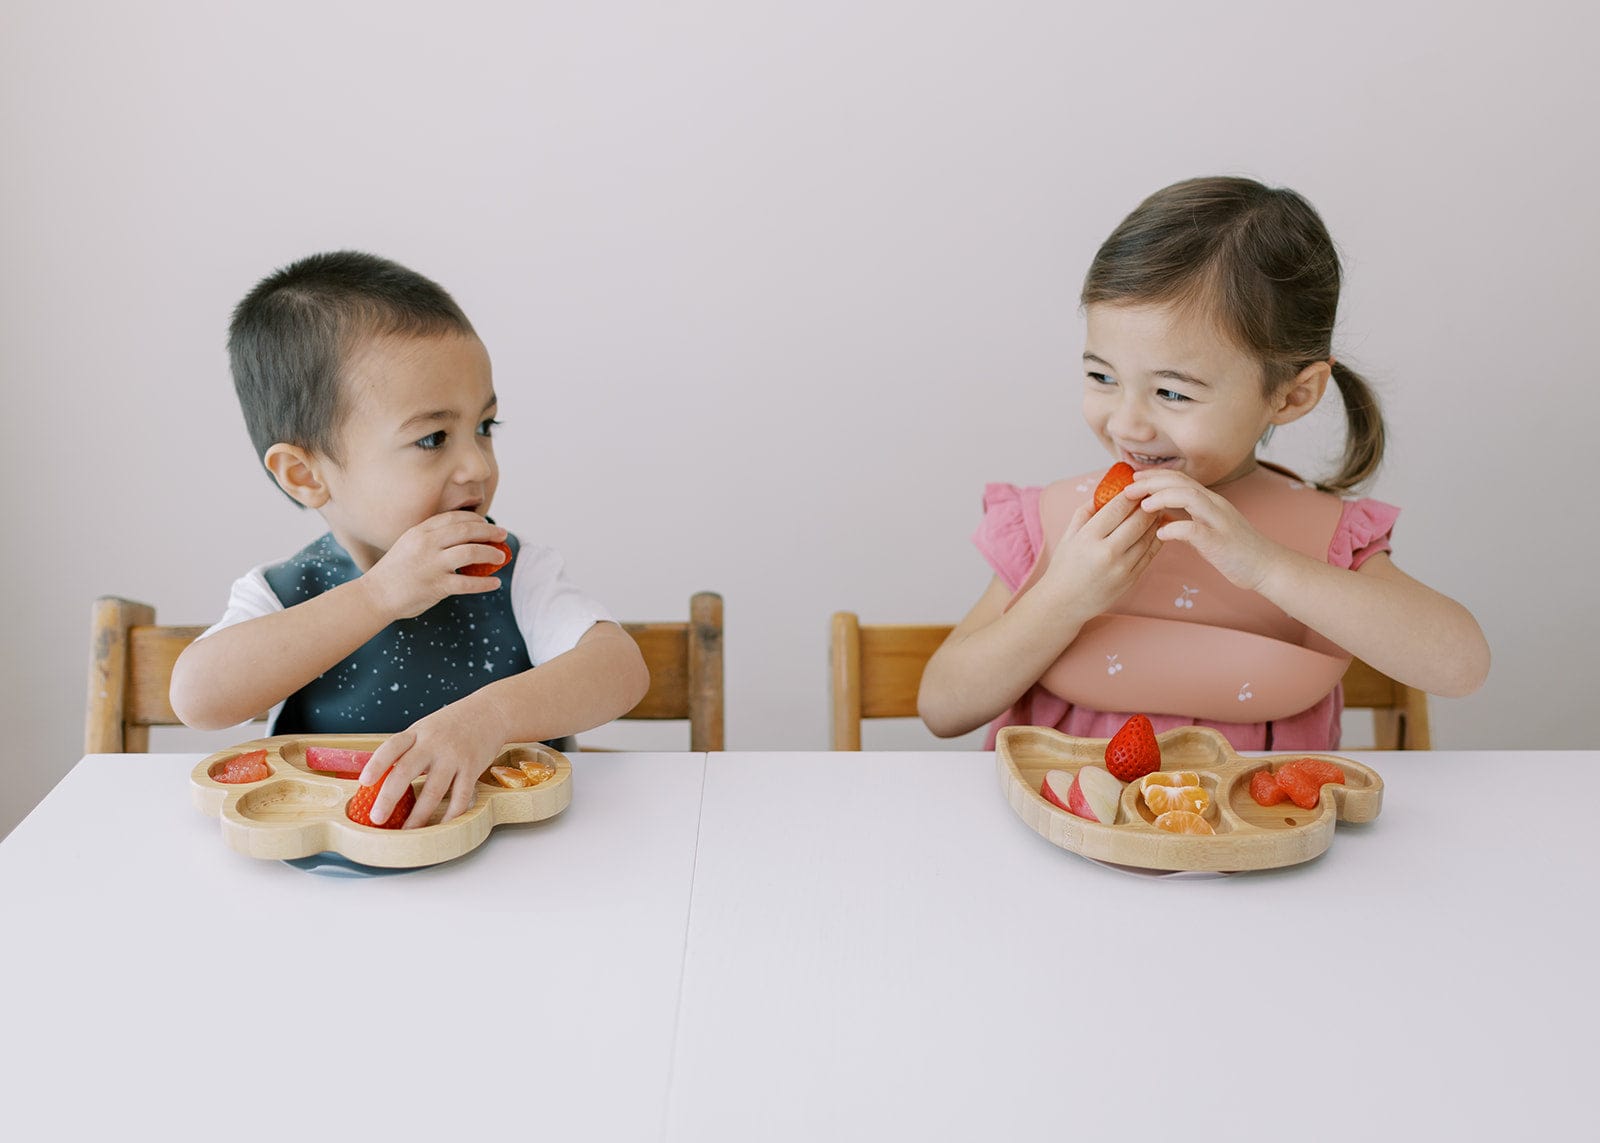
<point x="290" y="338"/>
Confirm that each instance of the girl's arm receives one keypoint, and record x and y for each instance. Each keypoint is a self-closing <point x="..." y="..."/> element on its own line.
<point x="603" y="677"/>
<point x="1402" y="627"/>
<point x="994" y="655"/>
<point x="1380" y="614"/>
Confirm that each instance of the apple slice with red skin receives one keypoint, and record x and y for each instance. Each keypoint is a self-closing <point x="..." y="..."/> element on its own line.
<point x="1091" y="793"/>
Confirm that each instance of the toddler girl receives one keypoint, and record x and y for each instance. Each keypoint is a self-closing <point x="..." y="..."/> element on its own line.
<point x="1216" y="589"/>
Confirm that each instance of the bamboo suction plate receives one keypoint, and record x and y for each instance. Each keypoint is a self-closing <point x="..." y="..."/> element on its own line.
<point x="1248" y="835"/>
<point x="297" y="811"/>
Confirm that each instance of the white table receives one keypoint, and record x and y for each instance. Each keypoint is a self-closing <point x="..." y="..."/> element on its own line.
<point x="503" y="993"/>
<point x="761" y="947"/>
<point x="880" y="949"/>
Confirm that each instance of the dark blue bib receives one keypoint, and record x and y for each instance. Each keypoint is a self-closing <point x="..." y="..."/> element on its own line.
<point x="409" y="669"/>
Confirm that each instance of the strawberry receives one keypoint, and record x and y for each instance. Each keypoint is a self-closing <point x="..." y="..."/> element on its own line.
<point x="488" y="569"/>
<point x="1117" y="477"/>
<point x="1133" y="751"/>
<point x="1304" y="778"/>
<point x="1265" y="790"/>
<point x="248" y="767"/>
<point x="360" y="808"/>
<point x="333" y="760"/>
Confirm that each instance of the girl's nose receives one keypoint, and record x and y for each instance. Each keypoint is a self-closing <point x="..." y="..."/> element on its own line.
<point x="1129" y="420"/>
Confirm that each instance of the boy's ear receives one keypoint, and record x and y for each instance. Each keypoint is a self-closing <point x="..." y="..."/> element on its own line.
<point x="1301" y="395"/>
<point x="297" y="473"/>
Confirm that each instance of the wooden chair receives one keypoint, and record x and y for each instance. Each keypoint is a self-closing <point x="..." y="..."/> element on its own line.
<point x="876" y="671"/>
<point x="131" y="660"/>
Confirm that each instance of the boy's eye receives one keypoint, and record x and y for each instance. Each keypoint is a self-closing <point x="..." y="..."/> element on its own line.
<point x="486" y="429"/>
<point x="1101" y="379"/>
<point x="1172" y="396"/>
<point x="432" y="441"/>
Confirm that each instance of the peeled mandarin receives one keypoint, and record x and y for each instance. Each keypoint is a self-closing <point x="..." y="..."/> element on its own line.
<point x="1169" y="778"/>
<point x="1161" y="799"/>
<point x="1182" y="821"/>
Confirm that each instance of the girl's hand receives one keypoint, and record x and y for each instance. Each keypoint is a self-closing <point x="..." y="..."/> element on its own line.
<point x="1102" y="554"/>
<point x="453" y="746"/>
<point x="420" y="569"/>
<point x="1213" y="527"/>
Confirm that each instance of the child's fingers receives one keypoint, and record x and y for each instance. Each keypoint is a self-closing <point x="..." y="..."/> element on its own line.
<point x="433" y="792"/>
<point x="386" y="755"/>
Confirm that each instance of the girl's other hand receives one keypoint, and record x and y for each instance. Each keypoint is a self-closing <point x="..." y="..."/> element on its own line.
<point x="1209" y="524"/>
<point x="420" y="569"/>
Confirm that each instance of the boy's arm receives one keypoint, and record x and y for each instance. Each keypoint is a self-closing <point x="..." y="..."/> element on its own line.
<point x="603" y="677"/>
<point x="234" y="674"/>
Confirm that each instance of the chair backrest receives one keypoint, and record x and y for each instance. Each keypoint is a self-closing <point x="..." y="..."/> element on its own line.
<point x="131" y="660"/>
<point x="877" y="670"/>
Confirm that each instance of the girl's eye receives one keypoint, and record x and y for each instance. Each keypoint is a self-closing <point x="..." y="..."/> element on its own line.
<point x="1172" y="396"/>
<point x="432" y="441"/>
<point x="486" y="429"/>
<point x="1101" y="379"/>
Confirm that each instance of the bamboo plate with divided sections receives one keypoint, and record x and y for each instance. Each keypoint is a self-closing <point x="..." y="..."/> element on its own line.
<point x="1248" y="835"/>
<point x="296" y="811"/>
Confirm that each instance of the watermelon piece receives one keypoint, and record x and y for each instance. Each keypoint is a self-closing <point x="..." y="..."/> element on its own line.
<point x="248" y="767"/>
<point x="334" y="760"/>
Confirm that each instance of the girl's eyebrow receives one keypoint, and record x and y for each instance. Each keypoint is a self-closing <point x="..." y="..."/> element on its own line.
<point x="1175" y="374"/>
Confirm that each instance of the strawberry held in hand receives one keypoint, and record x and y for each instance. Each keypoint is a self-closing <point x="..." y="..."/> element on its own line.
<point x="360" y="808"/>
<point x="1133" y="751"/>
<point x="1117" y="477"/>
<point x="488" y="569"/>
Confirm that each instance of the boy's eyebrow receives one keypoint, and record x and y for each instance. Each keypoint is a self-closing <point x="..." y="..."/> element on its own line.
<point x="1175" y="374"/>
<point x="445" y="415"/>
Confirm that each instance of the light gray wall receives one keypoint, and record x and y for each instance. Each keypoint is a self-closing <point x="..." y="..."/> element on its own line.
<point x="772" y="290"/>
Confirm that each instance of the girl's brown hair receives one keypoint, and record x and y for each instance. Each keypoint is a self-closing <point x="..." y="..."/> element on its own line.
<point x="1258" y="260"/>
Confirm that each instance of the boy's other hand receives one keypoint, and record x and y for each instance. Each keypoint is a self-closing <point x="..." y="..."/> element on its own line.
<point x="420" y="569"/>
<point x="452" y="746"/>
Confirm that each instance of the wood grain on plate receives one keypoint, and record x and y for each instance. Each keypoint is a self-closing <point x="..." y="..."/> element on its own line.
<point x="1248" y="835"/>
<point x="297" y="811"/>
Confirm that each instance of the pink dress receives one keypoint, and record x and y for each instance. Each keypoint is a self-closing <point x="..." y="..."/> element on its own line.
<point x="1011" y="537"/>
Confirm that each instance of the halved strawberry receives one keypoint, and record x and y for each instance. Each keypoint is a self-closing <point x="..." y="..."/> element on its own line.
<point x="248" y="767"/>
<point x="335" y="760"/>
<point x="359" y="809"/>
<point x="1133" y="751"/>
<point x="489" y="569"/>
<point x="1117" y="477"/>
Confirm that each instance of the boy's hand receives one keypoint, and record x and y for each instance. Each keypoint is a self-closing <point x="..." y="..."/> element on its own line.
<point x="453" y="746"/>
<point x="1102" y="554"/>
<point x="420" y="569"/>
<point x="1214" y="527"/>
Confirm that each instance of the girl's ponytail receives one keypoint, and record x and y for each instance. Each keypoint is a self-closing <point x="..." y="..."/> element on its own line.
<point x="1364" y="433"/>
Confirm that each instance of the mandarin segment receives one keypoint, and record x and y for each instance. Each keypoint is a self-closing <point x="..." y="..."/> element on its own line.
<point x="1304" y="778"/>
<point x="1169" y="778"/>
<point x="1182" y="821"/>
<point x="1161" y="799"/>
<point x="1265" y="790"/>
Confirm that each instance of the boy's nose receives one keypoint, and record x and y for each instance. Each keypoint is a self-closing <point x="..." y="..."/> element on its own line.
<point x="475" y="465"/>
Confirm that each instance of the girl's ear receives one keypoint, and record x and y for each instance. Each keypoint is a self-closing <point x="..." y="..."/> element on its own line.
<point x="1301" y="395"/>
<point x="298" y="473"/>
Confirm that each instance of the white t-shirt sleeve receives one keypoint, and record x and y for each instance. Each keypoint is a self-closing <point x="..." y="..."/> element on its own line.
<point x="551" y="612"/>
<point x="250" y="598"/>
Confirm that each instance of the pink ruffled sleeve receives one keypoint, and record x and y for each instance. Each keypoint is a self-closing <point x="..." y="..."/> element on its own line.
<point x="1363" y="532"/>
<point x="1010" y="534"/>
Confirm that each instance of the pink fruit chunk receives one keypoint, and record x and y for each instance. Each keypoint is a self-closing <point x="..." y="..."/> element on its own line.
<point x="334" y="760"/>
<point x="249" y="767"/>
